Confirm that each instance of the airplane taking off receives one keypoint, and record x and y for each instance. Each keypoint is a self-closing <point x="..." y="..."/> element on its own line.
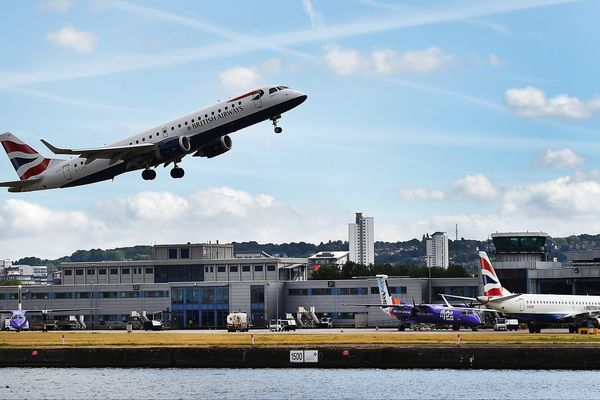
<point x="535" y="309"/>
<point x="18" y="319"/>
<point x="203" y="133"/>
<point x="423" y="313"/>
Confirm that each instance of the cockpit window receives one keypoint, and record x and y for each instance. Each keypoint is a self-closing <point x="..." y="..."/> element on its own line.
<point x="272" y="90"/>
<point x="282" y="87"/>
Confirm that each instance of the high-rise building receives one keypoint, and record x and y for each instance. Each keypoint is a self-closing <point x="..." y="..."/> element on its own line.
<point x="362" y="240"/>
<point x="436" y="248"/>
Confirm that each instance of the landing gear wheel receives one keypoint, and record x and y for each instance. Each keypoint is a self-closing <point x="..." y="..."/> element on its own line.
<point x="274" y="120"/>
<point x="148" y="174"/>
<point x="177" y="173"/>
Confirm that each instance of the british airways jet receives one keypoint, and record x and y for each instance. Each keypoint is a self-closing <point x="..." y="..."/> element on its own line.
<point x="203" y="133"/>
<point x="18" y="318"/>
<point x="434" y="314"/>
<point x="537" y="310"/>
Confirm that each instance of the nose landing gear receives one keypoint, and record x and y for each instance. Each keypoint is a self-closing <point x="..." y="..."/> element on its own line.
<point x="274" y="120"/>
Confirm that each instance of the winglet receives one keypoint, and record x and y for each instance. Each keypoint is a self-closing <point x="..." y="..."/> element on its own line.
<point x="56" y="150"/>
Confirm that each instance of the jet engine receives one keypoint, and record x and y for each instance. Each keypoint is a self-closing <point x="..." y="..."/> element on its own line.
<point x="173" y="148"/>
<point x="215" y="148"/>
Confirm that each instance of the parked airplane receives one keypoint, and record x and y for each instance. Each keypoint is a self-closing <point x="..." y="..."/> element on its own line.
<point x="537" y="310"/>
<point x="203" y="133"/>
<point x="18" y="318"/>
<point x="434" y="314"/>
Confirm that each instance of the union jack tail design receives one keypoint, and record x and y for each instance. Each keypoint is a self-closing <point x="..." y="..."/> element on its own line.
<point x="491" y="284"/>
<point x="26" y="160"/>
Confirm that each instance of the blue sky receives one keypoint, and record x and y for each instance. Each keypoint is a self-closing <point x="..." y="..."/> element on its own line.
<point x="423" y="115"/>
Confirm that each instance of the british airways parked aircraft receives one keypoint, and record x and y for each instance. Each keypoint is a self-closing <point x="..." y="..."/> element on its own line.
<point x="434" y="314"/>
<point x="535" y="309"/>
<point x="203" y="133"/>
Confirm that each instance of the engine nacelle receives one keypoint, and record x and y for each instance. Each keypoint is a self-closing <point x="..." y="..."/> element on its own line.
<point x="173" y="148"/>
<point x="215" y="148"/>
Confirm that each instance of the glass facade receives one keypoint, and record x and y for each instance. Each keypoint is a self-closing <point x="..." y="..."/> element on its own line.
<point x="200" y="307"/>
<point x="520" y="244"/>
<point x="178" y="273"/>
<point x="257" y="305"/>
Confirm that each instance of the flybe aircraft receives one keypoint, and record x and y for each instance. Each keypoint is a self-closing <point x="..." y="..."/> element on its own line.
<point x="536" y="309"/>
<point x="409" y="314"/>
<point x="18" y="318"/>
<point x="203" y="133"/>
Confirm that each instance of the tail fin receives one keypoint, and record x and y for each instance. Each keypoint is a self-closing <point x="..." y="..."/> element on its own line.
<point x="26" y="161"/>
<point x="491" y="283"/>
<point x="384" y="293"/>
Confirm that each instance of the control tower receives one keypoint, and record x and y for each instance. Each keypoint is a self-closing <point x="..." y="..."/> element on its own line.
<point x="518" y="257"/>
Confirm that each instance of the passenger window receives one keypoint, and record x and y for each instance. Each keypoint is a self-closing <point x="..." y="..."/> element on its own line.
<point x="206" y="115"/>
<point x="239" y="103"/>
<point x="272" y="90"/>
<point x="219" y="110"/>
<point x="143" y="139"/>
<point x="212" y="113"/>
<point x="172" y="128"/>
<point x="137" y="141"/>
<point x="225" y="108"/>
<point x="165" y="130"/>
<point x="179" y="126"/>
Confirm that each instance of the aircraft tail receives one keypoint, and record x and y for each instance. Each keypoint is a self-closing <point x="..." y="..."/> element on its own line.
<point x="491" y="283"/>
<point x="26" y="161"/>
<point x="384" y="293"/>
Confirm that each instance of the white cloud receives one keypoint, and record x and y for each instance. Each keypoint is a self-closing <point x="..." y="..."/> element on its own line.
<point x="343" y="61"/>
<point x="418" y="194"/>
<point x="495" y="60"/>
<point x="387" y="61"/>
<point x="532" y="102"/>
<point x="238" y="79"/>
<point x="316" y="18"/>
<point x="563" y="197"/>
<point x="57" y="5"/>
<point x="563" y="158"/>
<point x="71" y="38"/>
<point x="476" y="187"/>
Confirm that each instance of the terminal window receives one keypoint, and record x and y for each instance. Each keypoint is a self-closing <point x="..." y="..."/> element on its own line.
<point x="149" y="270"/>
<point x="68" y="272"/>
<point x="233" y="268"/>
<point x="114" y="271"/>
<point x="271" y="268"/>
<point x="78" y="272"/>
<point x="102" y="271"/>
<point x="125" y="271"/>
<point x="91" y="272"/>
<point x="172" y="254"/>
<point x="220" y="269"/>
<point x="258" y="268"/>
<point x="245" y="268"/>
<point x="184" y="253"/>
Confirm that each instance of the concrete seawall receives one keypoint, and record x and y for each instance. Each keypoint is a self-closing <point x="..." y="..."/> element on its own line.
<point x="459" y="357"/>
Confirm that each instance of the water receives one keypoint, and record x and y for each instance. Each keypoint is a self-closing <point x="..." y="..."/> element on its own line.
<point x="222" y="384"/>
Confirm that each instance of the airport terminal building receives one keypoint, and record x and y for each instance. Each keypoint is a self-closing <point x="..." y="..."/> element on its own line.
<point x="197" y="285"/>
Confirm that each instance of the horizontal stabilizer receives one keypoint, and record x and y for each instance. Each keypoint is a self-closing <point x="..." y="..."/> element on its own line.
<point x="20" y="184"/>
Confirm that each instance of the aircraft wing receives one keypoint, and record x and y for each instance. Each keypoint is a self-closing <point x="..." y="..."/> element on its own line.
<point x="62" y="310"/>
<point x="20" y="184"/>
<point x="114" y="153"/>
<point x="378" y="305"/>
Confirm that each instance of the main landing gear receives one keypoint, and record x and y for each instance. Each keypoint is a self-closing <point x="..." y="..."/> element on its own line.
<point x="148" y="174"/>
<point x="274" y="120"/>
<point x="177" y="172"/>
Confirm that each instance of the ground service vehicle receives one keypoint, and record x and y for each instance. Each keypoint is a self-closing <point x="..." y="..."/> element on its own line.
<point x="500" y="324"/>
<point x="512" y="324"/>
<point x="237" y="322"/>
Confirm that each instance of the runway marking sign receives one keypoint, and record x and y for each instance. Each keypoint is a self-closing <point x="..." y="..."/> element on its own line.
<point x="304" y="356"/>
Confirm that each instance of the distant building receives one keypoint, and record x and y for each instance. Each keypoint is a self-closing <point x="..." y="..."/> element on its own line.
<point x="436" y="250"/>
<point x="362" y="240"/>
<point x="26" y="274"/>
<point x="338" y="258"/>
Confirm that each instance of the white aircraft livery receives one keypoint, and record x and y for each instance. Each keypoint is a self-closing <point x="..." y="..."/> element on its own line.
<point x="536" y="309"/>
<point x="203" y="134"/>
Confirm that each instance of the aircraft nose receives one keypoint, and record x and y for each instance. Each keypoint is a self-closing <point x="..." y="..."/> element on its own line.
<point x="301" y="97"/>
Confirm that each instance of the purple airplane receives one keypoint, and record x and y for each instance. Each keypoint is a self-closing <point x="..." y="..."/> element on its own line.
<point x="435" y="314"/>
<point x="18" y="319"/>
